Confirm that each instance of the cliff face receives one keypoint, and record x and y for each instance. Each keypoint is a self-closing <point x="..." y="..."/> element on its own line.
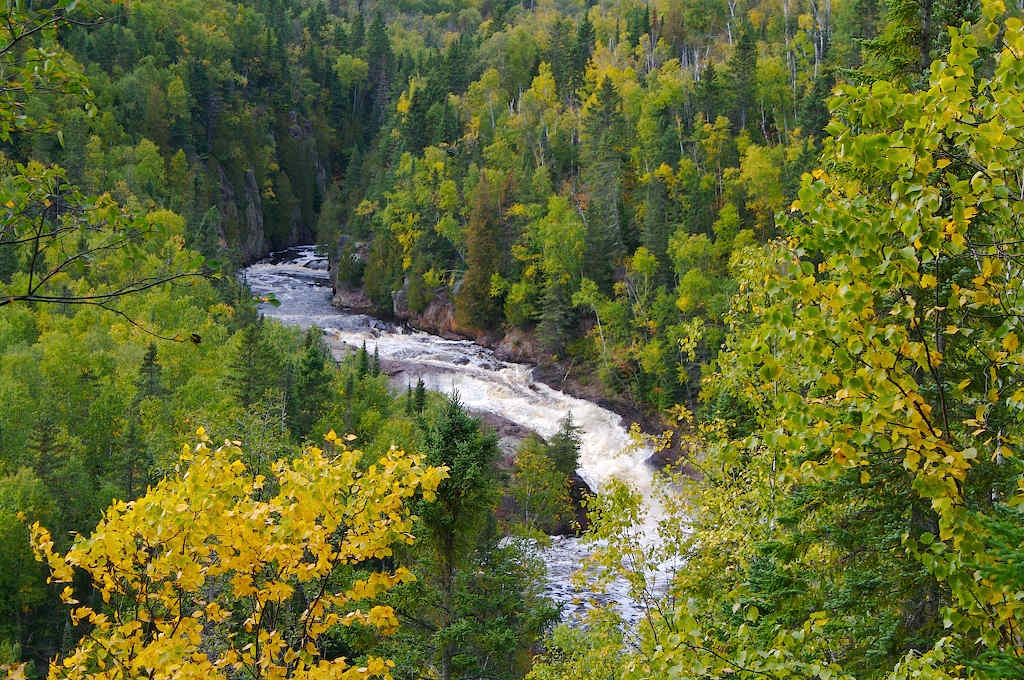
<point x="241" y="214"/>
<point x="281" y="209"/>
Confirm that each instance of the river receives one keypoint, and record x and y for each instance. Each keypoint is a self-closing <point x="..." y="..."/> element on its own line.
<point x="299" y="280"/>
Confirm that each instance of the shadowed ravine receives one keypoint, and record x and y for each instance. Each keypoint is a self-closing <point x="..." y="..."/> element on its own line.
<point x="298" y="279"/>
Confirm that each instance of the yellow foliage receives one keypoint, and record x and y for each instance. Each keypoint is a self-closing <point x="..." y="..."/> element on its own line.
<point x="214" y="580"/>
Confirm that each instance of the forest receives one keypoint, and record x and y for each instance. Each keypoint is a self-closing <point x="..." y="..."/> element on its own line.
<point x="784" y="235"/>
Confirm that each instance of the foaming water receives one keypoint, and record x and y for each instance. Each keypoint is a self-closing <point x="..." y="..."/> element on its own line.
<point x="299" y="280"/>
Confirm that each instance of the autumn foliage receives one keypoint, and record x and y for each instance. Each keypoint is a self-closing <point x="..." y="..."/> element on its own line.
<point x="218" y="572"/>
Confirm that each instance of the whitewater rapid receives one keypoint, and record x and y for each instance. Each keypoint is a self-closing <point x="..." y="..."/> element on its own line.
<point x="299" y="280"/>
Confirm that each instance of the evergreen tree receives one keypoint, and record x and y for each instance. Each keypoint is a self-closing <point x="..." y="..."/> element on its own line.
<point x="350" y="386"/>
<point x="708" y="94"/>
<point x="149" y="382"/>
<point x="376" y="362"/>
<point x="564" y="447"/>
<point x="138" y="461"/>
<point x="557" y="317"/>
<point x="474" y="306"/>
<point x="203" y="233"/>
<point x="913" y="36"/>
<point x="582" y="49"/>
<point x="743" y="72"/>
<point x="255" y="369"/>
<point x="603" y="160"/>
<point x="409" y="402"/>
<point x="357" y="34"/>
<point x="311" y="389"/>
<point x="455" y="523"/>
<point x="638" y="24"/>
<point x="45" y="451"/>
<point x="560" y="55"/>
<point x="421" y="396"/>
<point x="363" y="361"/>
<point x="814" y="115"/>
<point x="379" y="57"/>
<point x="658" y="225"/>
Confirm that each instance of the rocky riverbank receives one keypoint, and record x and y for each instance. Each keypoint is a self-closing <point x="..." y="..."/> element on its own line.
<point x="519" y="346"/>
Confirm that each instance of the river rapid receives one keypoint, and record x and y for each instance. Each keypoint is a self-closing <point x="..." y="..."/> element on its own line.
<point x="299" y="280"/>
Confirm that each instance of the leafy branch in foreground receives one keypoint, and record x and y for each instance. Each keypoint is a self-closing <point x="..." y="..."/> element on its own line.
<point x="219" y="572"/>
<point x="63" y="248"/>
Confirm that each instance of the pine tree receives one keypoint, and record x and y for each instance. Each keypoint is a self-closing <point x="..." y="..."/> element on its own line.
<point x="660" y="221"/>
<point x="560" y="55"/>
<point x="45" y="451"/>
<point x="814" y="115"/>
<point x="203" y="233"/>
<point x="149" y="383"/>
<point x="421" y="396"/>
<point x="363" y="361"/>
<point x="379" y="57"/>
<point x="708" y="94"/>
<point x="557" y="317"/>
<point x="913" y="35"/>
<point x="255" y="369"/>
<point x="603" y="160"/>
<point x="310" y="390"/>
<point x="358" y="33"/>
<point x="474" y="306"/>
<point x="456" y="521"/>
<point x="743" y="70"/>
<point x="350" y="386"/>
<point x="564" y="447"/>
<point x="582" y="49"/>
<point x="376" y="361"/>
<point x="638" y="24"/>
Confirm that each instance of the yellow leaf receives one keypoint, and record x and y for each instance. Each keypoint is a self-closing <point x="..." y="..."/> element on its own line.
<point x="1011" y="342"/>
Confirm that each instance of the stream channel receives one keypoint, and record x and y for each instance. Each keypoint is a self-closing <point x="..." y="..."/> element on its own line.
<point x="299" y="280"/>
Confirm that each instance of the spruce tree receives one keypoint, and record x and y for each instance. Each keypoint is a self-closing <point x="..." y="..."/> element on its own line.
<point x="363" y="361"/>
<point x="660" y="221"/>
<point x="743" y="70"/>
<point x="474" y="306"/>
<point x="310" y="389"/>
<point x="149" y="382"/>
<point x="708" y="94"/>
<point x="357" y="35"/>
<point x="557" y="317"/>
<point x="255" y="369"/>
<point x="350" y="386"/>
<point x="379" y="57"/>
<point x="421" y="396"/>
<point x="564" y="447"/>
<point x="137" y="460"/>
<point x="582" y="49"/>
<point x="457" y="520"/>
<point x="45" y="451"/>
<point x="603" y="160"/>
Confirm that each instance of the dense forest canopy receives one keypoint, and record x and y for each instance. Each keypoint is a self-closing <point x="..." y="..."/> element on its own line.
<point x="789" y="232"/>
